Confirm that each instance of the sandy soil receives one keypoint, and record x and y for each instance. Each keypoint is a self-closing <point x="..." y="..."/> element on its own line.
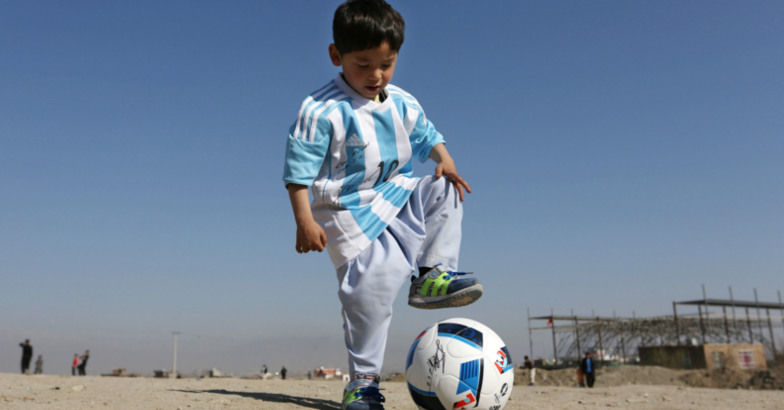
<point x="727" y="378"/>
<point x="95" y="392"/>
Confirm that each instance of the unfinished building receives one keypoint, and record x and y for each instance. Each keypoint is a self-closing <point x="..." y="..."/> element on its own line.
<point x="742" y="334"/>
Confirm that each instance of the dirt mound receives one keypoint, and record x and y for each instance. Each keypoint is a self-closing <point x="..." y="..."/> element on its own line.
<point x="718" y="378"/>
<point x="606" y="376"/>
<point x="771" y="379"/>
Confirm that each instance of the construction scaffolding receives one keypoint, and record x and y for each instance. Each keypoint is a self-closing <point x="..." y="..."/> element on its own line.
<point x="617" y="338"/>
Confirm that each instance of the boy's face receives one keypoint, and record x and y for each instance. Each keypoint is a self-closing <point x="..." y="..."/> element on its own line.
<point x="366" y="71"/>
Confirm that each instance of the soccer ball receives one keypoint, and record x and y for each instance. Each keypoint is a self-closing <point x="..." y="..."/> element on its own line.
<point x="459" y="364"/>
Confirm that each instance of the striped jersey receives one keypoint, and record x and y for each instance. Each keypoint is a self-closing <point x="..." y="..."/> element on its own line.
<point x="356" y="155"/>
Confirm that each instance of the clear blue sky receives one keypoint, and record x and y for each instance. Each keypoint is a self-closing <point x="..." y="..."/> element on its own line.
<point x="621" y="154"/>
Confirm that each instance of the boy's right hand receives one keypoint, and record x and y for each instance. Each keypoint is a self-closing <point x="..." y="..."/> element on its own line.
<point x="310" y="237"/>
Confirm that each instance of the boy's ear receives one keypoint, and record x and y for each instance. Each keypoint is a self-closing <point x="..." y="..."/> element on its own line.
<point x="334" y="55"/>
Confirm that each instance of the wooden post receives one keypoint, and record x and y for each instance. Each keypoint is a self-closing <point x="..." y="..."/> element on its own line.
<point x="726" y="324"/>
<point x="577" y="334"/>
<point x="759" y="320"/>
<point x="555" y="347"/>
<point x="770" y="328"/>
<point x="702" y="326"/>
<point x="599" y="332"/>
<point x="675" y="317"/>
<point x="530" y="336"/>
<point x="734" y="316"/>
<point x="707" y="314"/>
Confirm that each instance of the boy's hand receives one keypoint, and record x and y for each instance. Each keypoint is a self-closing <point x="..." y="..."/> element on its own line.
<point x="446" y="167"/>
<point x="310" y="237"/>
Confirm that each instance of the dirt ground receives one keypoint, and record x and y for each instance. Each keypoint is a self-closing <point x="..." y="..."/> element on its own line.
<point x="630" y="387"/>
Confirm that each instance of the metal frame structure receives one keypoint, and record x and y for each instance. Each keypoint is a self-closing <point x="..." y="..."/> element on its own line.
<point x="619" y="338"/>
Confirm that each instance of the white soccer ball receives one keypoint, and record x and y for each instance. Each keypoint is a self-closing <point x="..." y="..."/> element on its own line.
<point x="459" y="364"/>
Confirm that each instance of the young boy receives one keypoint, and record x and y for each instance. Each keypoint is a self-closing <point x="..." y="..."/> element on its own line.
<point x="352" y="146"/>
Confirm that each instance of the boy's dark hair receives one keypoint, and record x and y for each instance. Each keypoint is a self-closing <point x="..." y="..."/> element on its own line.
<point x="362" y="24"/>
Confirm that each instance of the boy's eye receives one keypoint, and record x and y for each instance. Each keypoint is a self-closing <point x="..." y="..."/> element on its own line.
<point x="362" y="66"/>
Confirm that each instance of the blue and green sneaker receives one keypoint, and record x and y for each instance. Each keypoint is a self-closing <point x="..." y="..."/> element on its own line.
<point x="363" y="394"/>
<point x="443" y="289"/>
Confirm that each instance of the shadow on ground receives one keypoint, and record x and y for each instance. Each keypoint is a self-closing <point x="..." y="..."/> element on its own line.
<point x="275" y="398"/>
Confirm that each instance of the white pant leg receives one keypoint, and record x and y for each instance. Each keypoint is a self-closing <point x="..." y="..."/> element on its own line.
<point x="369" y="285"/>
<point x="426" y="232"/>
<point x="435" y="214"/>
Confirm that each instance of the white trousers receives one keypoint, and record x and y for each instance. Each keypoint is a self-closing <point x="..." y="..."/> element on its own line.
<point x="426" y="232"/>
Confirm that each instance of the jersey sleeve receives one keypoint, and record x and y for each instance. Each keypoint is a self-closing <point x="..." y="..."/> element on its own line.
<point x="306" y="151"/>
<point x="423" y="135"/>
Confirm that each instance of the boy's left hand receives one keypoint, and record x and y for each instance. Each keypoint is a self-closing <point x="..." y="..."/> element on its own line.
<point x="446" y="167"/>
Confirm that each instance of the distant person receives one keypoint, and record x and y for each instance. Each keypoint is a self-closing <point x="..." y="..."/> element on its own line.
<point x="27" y="355"/>
<point x="310" y="375"/>
<point x="283" y="373"/>
<point x="588" y="368"/>
<point x="353" y="147"/>
<point x="83" y="365"/>
<point x="531" y="370"/>
<point x="74" y="364"/>
<point x="263" y="369"/>
<point x="39" y="365"/>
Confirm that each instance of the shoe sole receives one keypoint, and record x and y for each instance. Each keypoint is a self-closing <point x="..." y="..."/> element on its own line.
<point x="363" y="406"/>
<point x="463" y="297"/>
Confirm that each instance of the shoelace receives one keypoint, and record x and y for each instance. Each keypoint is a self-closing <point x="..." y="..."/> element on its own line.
<point x="370" y="392"/>
<point x="451" y="274"/>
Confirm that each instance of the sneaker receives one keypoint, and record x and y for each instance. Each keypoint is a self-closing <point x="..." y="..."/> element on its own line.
<point x="443" y="289"/>
<point x="363" y="394"/>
